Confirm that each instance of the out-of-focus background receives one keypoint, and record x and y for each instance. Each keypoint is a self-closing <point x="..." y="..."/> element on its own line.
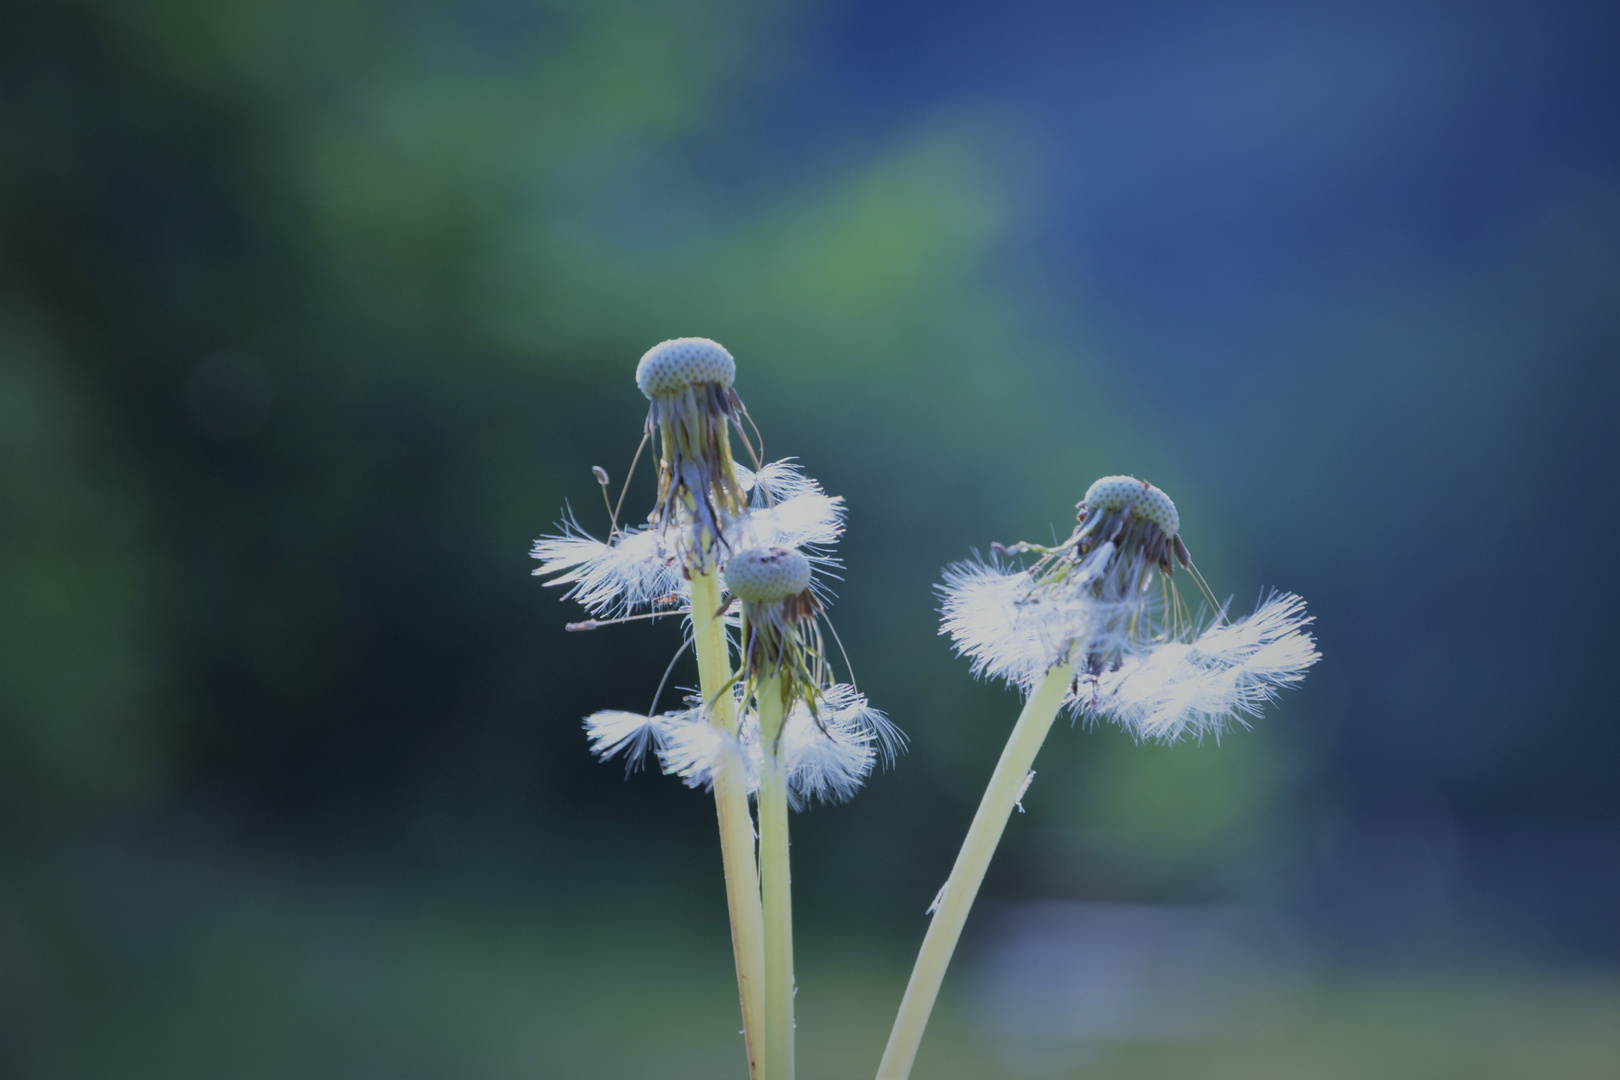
<point x="314" y="314"/>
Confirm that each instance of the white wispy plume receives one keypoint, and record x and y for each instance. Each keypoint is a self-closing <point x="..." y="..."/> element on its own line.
<point x="829" y="753"/>
<point x="1196" y="686"/>
<point x="832" y="751"/>
<point x="612" y="732"/>
<point x="1014" y="627"/>
<point x="631" y="572"/>
<point x="778" y="481"/>
<point x="638" y="570"/>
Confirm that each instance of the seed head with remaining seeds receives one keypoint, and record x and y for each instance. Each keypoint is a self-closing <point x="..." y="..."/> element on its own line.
<point x="707" y="506"/>
<point x="830" y="738"/>
<point x="1142" y="660"/>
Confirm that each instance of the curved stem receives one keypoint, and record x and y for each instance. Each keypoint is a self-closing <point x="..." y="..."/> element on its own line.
<point x="1006" y="786"/>
<point x="776" y="881"/>
<point x="736" y="823"/>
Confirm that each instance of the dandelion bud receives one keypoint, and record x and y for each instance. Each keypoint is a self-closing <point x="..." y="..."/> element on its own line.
<point x="671" y="366"/>
<point x="1090" y="597"/>
<point x="768" y="574"/>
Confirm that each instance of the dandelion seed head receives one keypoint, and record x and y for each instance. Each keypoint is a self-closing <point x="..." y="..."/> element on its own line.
<point x="693" y="407"/>
<point x="763" y="575"/>
<point x="1140" y="498"/>
<point x="1140" y="659"/>
<point x="673" y="365"/>
<point x="780" y="632"/>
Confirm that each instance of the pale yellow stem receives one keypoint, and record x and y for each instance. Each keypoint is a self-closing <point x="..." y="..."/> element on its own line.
<point x="776" y="881"/>
<point x="1006" y="786"/>
<point x="736" y="823"/>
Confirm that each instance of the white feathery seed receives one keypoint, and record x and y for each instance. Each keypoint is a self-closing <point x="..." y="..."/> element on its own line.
<point x="830" y="753"/>
<point x="778" y="481"/>
<point x="631" y="734"/>
<point x="1228" y="672"/>
<point x="1014" y="628"/>
<point x="693" y="749"/>
<point x="632" y="571"/>
<point x="827" y="761"/>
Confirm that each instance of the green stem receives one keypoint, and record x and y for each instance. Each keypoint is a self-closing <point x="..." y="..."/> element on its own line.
<point x="776" y="880"/>
<point x="736" y="823"/>
<point x="1006" y="785"/>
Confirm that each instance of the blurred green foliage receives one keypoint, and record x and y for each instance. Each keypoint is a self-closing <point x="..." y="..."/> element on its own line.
<point x="445" y="243"/>
<point x="78" y="681"/>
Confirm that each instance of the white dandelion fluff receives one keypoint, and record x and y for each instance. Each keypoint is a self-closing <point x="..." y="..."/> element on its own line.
<point x="811" y="520"/>
<point x="786" y="509"/>
<point x="1227" y="673"/>
<point x="637" y="570"/>
<point x="832" y="751"/>
<point x="828" y="754"/>
<point x="694" y="749"/>
<point x="613" y="732"/>
<point x="776" y="482"/>
<point x="1013" y="626"/>
<point x="632" y="571"/>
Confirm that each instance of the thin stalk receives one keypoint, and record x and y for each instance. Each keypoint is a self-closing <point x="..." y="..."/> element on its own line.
<point x="1006" y="785"/>
<point x="776" y="881"/>
<point x="736" y="823"/>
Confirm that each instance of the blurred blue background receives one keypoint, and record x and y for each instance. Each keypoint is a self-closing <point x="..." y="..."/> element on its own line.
<point x="313" y="315"/>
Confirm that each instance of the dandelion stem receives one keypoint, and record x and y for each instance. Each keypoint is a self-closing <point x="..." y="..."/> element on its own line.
<point x="776" y="881"/>
<point x="1006" y="785"/>
<point x="736" y="824"/>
